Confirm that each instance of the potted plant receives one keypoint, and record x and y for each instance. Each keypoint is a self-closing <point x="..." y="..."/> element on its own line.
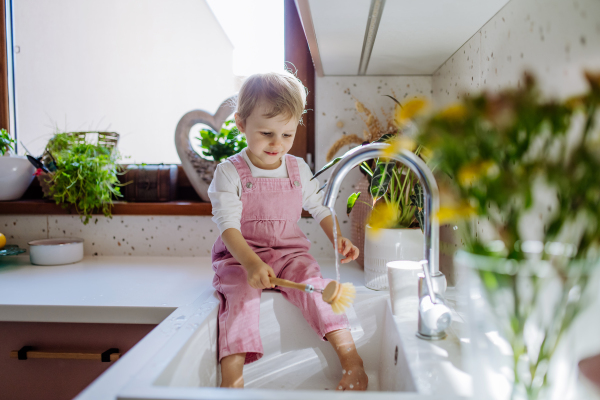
<point x="527" y="169"/>
<point x="393" y="197"/>
<point x="16" y="173"/>
<point x="218" y="146"/>
<point x="85" y="174"/>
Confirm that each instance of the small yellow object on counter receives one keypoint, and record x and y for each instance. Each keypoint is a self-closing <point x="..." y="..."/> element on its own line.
<point x="2" y="241"/>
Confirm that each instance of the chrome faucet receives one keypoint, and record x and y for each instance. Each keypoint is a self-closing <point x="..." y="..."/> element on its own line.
<point x="432" y="204"/>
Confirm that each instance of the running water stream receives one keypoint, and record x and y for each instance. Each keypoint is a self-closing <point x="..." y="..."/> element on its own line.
<point x="335" y="245"/>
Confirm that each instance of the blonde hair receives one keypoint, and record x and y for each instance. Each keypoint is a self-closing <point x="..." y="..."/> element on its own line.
<point x="281" y="92"/>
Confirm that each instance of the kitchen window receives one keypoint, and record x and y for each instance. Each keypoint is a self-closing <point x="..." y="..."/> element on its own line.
<point x="137" y="66"/>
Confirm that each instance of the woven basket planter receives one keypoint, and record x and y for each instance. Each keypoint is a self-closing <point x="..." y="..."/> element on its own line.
<point x="108" y="140"/>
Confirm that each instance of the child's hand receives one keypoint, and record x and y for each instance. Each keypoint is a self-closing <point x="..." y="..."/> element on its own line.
<point x="347" y="249"/>
<point x="258" y="275"/>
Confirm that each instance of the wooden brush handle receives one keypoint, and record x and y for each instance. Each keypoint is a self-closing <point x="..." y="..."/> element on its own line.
<point x="288" y="284"/>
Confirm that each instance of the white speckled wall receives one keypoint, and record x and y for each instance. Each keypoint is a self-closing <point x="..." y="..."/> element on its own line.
<point x="554" y="39"/>
<point x="133" y="235"/>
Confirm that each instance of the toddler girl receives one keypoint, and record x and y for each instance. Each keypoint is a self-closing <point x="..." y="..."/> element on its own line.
<point x="257" y="198"/>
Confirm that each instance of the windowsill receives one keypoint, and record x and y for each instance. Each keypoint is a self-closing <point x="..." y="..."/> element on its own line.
<point x="44" y="207"/>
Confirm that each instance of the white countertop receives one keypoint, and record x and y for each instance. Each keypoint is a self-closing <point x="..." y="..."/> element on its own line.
<point x="134" y="290"/>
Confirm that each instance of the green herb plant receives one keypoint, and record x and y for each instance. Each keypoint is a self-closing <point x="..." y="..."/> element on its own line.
<point x="217" y="146"/>
<point x="86" y="177"/>
<point x="6" y="141"/>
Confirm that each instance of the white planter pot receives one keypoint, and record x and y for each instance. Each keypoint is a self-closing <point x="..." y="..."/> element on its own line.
<point x="389" y="245"/>
<point x="16" y="173"/>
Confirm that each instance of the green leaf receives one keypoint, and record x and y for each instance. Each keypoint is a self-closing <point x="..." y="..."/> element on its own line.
<point x="322" y="187"/>
<point x="381" y="179"/>
<point x="351" y="201"/>
<point x="393" y="98"/>
<point x="385" y="138"/>
<point x="327" y="166"/>
<point x="417" y="200"/>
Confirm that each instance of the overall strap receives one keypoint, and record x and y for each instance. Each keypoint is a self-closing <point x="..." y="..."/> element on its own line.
<point x="293" y="170"/>
<point x="243" y="171"/>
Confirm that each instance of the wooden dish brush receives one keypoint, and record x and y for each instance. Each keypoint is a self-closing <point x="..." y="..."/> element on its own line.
<point x="339" y="295"/>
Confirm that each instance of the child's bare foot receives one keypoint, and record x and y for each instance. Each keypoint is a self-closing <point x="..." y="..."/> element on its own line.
<point x="353" y="373"/>
<point x="353" y="378"/>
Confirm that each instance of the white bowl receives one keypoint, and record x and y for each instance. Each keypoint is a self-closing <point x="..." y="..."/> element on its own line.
<point x="56" y="251"/>
<point x="16" y="173"/>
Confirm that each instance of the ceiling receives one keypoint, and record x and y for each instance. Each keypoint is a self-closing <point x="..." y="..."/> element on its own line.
<point x="413" y="37"/>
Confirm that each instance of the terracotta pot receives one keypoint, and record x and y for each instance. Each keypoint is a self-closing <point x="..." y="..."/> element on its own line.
<point x="359" y="217"/>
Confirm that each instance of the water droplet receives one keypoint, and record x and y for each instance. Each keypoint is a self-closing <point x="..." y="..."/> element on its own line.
<point x="349" y="372"/>
<point x="180" y="318"/>
<point x="343" y="371"/>
<point x="163" y="304"/>
<point x="351" y="386"/>
<point x="340" y="387"/>
<point x="349" y="349"/>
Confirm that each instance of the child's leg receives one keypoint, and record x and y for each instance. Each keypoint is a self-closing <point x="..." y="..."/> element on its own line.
<point x="353" y="373"/>
<point x="319" y="315"/>
<point x="232" y="371"/>
<point x="239" y="336"/>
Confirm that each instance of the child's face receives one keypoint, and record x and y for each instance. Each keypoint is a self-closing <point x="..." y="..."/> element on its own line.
<point x="268" y="139"/>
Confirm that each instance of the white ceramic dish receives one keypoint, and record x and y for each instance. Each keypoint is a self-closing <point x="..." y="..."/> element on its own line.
<point x="56" y="251"/>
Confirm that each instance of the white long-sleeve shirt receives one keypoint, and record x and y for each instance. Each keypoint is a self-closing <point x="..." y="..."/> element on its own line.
<point x="225" y="191"/>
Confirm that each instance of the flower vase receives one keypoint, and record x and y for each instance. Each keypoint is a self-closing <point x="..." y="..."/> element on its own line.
<point x="385" y="245"/>
<point x="519" y="314"/>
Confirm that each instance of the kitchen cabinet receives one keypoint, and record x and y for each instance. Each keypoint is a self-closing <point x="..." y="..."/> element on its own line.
<point x="51" y="379"/>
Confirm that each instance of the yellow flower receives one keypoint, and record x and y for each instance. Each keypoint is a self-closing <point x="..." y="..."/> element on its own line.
<point x="409" y="110"/>
<point x="454" y="214"/>
<point x="471" y="173"/>
<point x="384" y="216"/>
<point x="454" y="111"/>
<point x="398" y="144"/>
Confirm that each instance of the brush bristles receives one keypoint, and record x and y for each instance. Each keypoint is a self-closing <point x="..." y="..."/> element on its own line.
<point x="344" y="299"/>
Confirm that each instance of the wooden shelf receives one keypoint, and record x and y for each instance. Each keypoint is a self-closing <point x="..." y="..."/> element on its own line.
<point x="44" y="207"/>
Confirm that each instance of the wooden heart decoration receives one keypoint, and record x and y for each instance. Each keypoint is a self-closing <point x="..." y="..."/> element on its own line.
<point x="198" y="170"/>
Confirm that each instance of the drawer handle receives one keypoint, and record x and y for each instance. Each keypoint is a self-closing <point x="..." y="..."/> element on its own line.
<point x="27" y="352"/>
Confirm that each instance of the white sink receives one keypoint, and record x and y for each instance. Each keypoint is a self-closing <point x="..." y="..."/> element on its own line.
<point x="296" y="364"/>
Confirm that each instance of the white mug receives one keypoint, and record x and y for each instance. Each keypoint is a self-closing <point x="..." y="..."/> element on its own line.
<point x="403" y="277"/>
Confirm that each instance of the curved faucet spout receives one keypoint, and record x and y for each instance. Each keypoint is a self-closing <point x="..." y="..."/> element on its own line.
<point x="426" y="179"/>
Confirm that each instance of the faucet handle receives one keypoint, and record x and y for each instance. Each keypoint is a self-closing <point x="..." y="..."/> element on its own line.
<point x="434" y="315"/>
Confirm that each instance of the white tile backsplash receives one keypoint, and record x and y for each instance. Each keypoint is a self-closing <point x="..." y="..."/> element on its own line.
<point x="21" y="229"/>
<point x="135" y="235"/>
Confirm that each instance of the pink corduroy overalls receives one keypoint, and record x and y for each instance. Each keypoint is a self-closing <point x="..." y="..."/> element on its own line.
<point x="271" y="210"/>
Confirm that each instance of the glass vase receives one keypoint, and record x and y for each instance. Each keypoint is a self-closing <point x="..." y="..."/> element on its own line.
<point x="519" y="314"/>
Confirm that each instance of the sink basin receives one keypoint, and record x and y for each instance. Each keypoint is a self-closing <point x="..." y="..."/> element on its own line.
<point x="296" y="364"/>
